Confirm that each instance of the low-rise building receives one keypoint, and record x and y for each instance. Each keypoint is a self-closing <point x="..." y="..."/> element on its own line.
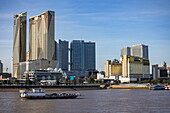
<point x="135" y="68"/>
<point x="113" y="68"/>
<point x="38" y="75"/>
<point x="159" y="72"/>
<point x="168" y="70"/>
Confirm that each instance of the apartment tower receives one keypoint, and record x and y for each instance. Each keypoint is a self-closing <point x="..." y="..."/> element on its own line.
<point x="62" y="54"/>
<point x="82" y="56"/>
<point x="19" y="43"/>
<point x="41" y="37"/>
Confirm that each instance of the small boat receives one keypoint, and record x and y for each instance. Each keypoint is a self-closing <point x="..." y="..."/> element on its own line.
<point x="157" y="87"/>
<point x="38" y="93"/>
<point x="167" y="87"/>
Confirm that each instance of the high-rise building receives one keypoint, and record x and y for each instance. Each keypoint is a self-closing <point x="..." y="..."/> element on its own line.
<point x="90" y="64"/>
<point x="19" y="43"/>
<point x="82" y="56"/>
<point x="56" y="50"/>
<point x="62" y="54"/>
<point x="41" y="37"/>
<point x="125" y="51"/>
<point x="1" y="67"/>
<point x="140" y="51"/>
<point x="77" y="56"/>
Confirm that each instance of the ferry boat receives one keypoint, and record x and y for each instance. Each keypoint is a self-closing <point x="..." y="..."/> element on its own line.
<point x="157" y="87"/>
<point x="38" y="93"/>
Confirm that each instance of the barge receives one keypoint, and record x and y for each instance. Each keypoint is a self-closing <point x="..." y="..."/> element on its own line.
<point x="38" y="93"/>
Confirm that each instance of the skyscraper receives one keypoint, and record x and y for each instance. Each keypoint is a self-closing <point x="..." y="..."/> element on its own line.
<point x="82" y="56"/>
<point x="140" y="51"/>
<point x="1" y="67"/>
<point x="62" y="54"/>
<point x="19" y="43"/>
<point x="41" y="37"/>
<point x="90" y="64"/>
<point x="77" y="55"/>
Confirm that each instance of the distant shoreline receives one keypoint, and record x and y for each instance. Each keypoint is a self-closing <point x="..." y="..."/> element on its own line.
<point x="16" y="89"/>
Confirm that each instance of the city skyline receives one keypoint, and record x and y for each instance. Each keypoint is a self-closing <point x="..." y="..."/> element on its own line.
<point x="112" y="25"/>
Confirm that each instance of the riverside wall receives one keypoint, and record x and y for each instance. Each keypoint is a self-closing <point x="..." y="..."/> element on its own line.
<point x="127" y="86"/>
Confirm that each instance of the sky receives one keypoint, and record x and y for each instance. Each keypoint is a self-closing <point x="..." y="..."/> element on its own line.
<point x="112" y="24"/>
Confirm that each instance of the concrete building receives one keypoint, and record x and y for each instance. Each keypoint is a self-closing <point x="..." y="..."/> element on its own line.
<point x="140" y="51"/>
<point x="19" y="43"/>
<point x="27" y="56"/>
<point x="82" y="56"/>
<point x="113" y="68"/>
<point x="125" y="51"/>
<point x="1" y="67"/>
<point x="41" y="37"/>
<point x="77" y="55"/>
<point x="38" y="75"/>
<point x="135" y="68"/>
<point x="159" y="72"/>
<point x="56" y="51"/>
<point x="30" y="65"/>
<point x="108" y="68"/>
<point x="62" y="54"/>
<point x="90" y="56"/>
<point x="116" y="68"/>
<point x="168" y="71"/>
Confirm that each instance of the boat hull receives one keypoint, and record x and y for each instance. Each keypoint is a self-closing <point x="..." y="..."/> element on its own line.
<point x="39" y="94"/>
<point x="50" y="97"/>
<point x="157" y="88"/>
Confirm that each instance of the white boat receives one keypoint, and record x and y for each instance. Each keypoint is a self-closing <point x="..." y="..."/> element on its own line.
<point x="167" y="87"/>
<point x="38" y="93"/>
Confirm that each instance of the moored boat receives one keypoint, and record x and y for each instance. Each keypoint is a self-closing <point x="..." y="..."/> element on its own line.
<point x="38" y="93"/>
<point x="157" y="87"/>
<point x="167" y="87"/>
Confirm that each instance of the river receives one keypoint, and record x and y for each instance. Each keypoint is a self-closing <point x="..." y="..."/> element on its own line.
<point x="91" y="101"/>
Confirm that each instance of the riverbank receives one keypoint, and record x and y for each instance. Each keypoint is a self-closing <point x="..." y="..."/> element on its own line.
<point x="50" y="88"/>
<point x="17" y="90"/>
<point x="127" y="87"/>
<point x="71" y="88"/>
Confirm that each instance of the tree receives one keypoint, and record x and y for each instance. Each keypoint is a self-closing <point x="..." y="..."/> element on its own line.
<point x="92" y="78"/>
<point x="79" y="80"/>
<point x="57" y="82"/>
<point x="164" y="81"/>
<point x="102" y="73"/>
<point x="153" y="81"/>
<point x="16" y="81"/>
<point x="4" y="81"/>
<point x="168" y="81"/>
<point x="158" y="80"/>
<point x="28" y="81"/>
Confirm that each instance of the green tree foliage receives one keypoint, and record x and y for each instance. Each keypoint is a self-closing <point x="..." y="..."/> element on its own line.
<point x="28" y="81"/>
<point x="103" y="73"/>
<point x="4" y="81"/>
<point x="79" y="80"/>
<point x="16" y="81"/>
<point x="92" y="78"/>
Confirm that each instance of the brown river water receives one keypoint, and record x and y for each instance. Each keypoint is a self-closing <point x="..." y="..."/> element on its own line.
<point x="91" y="101"/>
